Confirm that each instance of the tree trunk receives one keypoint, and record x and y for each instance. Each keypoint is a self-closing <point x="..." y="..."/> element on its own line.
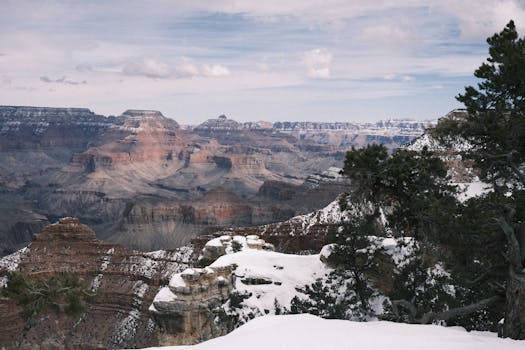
<point x="514" y="326"/>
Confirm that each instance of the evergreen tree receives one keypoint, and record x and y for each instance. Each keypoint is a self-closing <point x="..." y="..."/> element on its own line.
<point x="414" y="186"/>
<point x="346" y="293"/>
<point x="355" y="257"/>
<point x="495" y="128"/>
<point x="415" y="192"/>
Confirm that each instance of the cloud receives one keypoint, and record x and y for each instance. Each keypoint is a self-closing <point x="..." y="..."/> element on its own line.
<point x="183" y="68"/>
<point x="186" y="68"/>
<point x="390" y="76"/>
<point x="148" y="67"/>
<point x="61" y="80"/>
<point x="263" y="67"/>
<point x="136" y="53"/>
<point x="84" y="67"/>
<point x="46" y="79"/>
<point x="478" y="19"/>
<point x="390" y="35"/>
<point x="317" y="63"/>
<point x="215" y="70"/>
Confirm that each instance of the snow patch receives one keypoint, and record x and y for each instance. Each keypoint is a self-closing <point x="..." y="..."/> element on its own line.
<point x="308" y="332"/>
<point x="278" y="274"/>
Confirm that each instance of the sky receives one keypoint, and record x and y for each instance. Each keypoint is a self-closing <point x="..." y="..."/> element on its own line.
<point x="311" y="60"/>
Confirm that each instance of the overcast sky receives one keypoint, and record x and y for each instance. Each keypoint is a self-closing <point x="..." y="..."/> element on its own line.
<point x="336" y="60"/>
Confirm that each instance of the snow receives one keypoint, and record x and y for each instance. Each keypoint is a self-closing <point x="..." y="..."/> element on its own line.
<point x="286" y="272"/>
<point x="307" y="332"/>
<point x="216" y="242"/>
<point x="176" y="281"/>
<point x="426" y="141"/>
<point x="331" y="214"/>
<point x="10" y="263"/>
<point x="475" y="188"/>
<point x="164" y="295"/>
<point x="398" y="248"/>
<point x="326" y="251"/>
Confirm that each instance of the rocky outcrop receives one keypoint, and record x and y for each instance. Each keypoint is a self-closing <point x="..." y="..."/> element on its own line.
<point x="191" y="308"/>
<point x="125" y="282"/>
<point x="228" y="243"/>
<point x="309" y="232"/>
<point x="42" y="127"/>
<point x="221" y="123"/>
<point x="392" y="126"/>
<point x="187" y="308"/>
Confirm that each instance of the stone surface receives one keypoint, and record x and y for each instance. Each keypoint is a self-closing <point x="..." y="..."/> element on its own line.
<point x="189" y="317"/>
<point x="125" y="281"/>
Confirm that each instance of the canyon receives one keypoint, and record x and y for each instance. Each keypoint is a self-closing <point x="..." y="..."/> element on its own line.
<point x="142" y="180"/>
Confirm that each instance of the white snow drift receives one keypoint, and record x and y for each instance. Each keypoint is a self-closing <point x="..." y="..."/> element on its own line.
<point x="307" y="332"/>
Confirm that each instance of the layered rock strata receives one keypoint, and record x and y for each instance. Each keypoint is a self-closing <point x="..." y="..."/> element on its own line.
<point x="141" y="180"/>
<point x="188" y="308"/>
<point x="125" y="283"/>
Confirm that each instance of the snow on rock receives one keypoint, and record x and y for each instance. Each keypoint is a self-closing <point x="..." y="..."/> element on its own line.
<point x="10" y="263"/>
<point x="308" y="332"/>
<point x="270" y="276"/>
<point x="228" y="244"/>
<point x="427" y="141"/>
<point x="303" y="224"/>
<point x="326" y="251"/>
<point x="475" y="188"/>
<point x="164" y="295"/>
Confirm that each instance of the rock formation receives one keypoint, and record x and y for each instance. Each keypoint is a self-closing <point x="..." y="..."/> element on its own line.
<point x="309" y="232"/>
<point x="140" y="180"/>
<point x="125" y="282"/>
<point x="191" y="308"/>
<point x="187" y="308"/>
<point x="221" y="123"/>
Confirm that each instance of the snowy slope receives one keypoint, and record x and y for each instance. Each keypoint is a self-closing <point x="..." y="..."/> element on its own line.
<point x="270" y="276"/>
<point x="307" y="332"/>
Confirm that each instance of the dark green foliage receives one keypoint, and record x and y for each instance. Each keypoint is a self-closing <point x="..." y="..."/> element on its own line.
<point x="424" y="285"/>
<point x="495" y="127"/>
<point x="346" y="292"/>
<point x="415" y="190"/>
<point x="230" y="314"/>
<point x="236" y="299"/>
<point x="414" y="185"/>
<point x="366" y="167"/>
<point x="236" y="246"/>
<point x="61" y="292"/>
<point x="354" y="256"/>
<point x="279" y="310"/>
<point x="501" y="88"/>
<point x="321" y="301"/>
<point x="475" y="241"/>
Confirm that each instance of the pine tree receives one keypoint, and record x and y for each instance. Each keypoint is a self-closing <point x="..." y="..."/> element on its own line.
<point x="495" y="128"/>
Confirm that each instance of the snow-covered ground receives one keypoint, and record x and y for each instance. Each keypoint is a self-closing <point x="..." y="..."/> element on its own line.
<point x="271" y="276"/>
<point x="307" y="332"/>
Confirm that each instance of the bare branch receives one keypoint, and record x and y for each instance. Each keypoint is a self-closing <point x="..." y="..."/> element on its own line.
<point x="429" y="317"/>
